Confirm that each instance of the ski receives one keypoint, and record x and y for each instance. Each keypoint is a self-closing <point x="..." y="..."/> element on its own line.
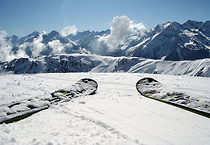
<point x="21" y="109"/>
<point x="153" y="89"/>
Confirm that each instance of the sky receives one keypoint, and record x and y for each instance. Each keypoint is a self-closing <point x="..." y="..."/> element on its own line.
<point x="22" y="17"/>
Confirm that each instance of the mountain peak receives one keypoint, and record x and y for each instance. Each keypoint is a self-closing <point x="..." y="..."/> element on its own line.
<point x="161" y="27"/>
<point x="54" y="33"/>
<point x="206" y="24"/>
<point x="176" y="25"/>
<point x="191" y="24"/>
<point x="205" y="28"/>
<point x="35" y="33"/>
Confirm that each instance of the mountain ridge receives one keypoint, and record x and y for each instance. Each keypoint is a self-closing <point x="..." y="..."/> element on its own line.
<point x="61" y="63"/>
<point x="167" y="41"/>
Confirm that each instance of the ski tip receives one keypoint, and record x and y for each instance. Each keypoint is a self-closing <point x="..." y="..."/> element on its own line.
<point x="145" y="83"/>
<point x="88" y="80"/>
<point x="90" y="85"/>
<point x="147" y="79"/>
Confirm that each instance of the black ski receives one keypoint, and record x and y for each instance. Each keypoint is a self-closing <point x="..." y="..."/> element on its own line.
<point x="153" y="89"/>
<point x="21" y="109"/>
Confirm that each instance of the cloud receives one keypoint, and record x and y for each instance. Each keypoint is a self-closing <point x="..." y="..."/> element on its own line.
<point x="21" y="54"/>
<point x="121" y="27"/>
<point x="3" y="34"/>
<point x="57" y="46"/>
<point x="37" y="46"/>
<point x="5" y="48"/>
<point x="68" y="30"/>
<point x="139" y="27"/>
<point x="6" y="53"/>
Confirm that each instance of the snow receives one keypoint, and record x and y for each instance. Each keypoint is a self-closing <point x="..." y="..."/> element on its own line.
<point x="116" y="114"/>
<point x="188" y="33"/>
<point x="96" y="63"/>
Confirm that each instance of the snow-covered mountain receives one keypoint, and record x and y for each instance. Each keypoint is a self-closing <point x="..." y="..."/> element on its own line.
<point x="84" y="37"/>
<point x="172" y="41"/>
<point x="38" y="44"/>
<point x="89" y="39"/>
<point x="96" y="63"/>
<point x="159" y="50"/>
<point x="168" y="41"/>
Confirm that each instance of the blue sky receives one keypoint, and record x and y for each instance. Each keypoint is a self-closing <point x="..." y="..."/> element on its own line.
<point x="21" y="17"/>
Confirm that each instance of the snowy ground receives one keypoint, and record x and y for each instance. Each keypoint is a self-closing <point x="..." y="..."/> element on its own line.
<point x="116" y="114"/>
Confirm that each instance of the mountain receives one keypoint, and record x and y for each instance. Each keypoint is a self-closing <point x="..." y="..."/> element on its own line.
<point x="205" y="28"/>
<point x="80" y="37"/>
<point x="37" y="44"/>
<point x="96" y="63"/>
<point x="168" y="41"/>
<point x="193" y="25"/>
<point x="173" y="41"/>
<point x="15" y="40"/>
<point x="87" y="38"/>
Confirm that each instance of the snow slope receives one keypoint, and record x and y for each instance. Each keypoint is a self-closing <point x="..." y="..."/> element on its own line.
<point x="116" y="114"/>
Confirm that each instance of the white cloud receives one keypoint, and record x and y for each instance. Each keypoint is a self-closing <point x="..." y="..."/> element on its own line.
<point x="137" y="27"/>
<point x="21" y="54"/>
<point x="121" y="27"/>
<point x="6" y="53"/>
<point x="37" y="46"/>
<point x="57" y="46"/>
<point x="3" y="34"/>
<point x="5" y="48"/>
<point x="24" y="46"/>
<point x="68" y="30"/>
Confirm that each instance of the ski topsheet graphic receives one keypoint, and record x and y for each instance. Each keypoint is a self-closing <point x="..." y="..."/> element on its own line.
<point x="21" y="109"/>
<point x="153" y="89"/>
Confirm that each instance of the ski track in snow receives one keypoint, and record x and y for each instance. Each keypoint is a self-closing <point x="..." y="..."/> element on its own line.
<point x="116" y="114"/>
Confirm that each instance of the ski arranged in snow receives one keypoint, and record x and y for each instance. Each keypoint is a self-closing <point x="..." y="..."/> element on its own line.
<point x="153" y="89"/>
<point x="21" y="109"/>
